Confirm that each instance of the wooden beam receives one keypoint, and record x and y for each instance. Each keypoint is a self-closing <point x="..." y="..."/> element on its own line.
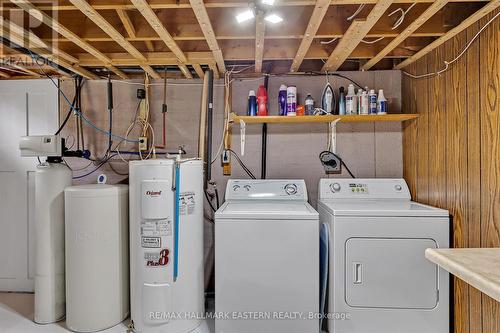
<point x="149" y="45"/>
<point x="488" y="8"/>
<point x="260" y="31"/>
<point x="185" y="71"/>
<point x="222" y="4"/>
<point x="427" y="14"/>
<point x="200" y="11"/>
<point x="156" y="24"/>
<point x="199" y="71"/>
<point x="213" y="67"/>
<point x="152" y="59"/>
<point x="4" y="75"/>
<point x="127" y="23"/>
<point x="105" y="26"/>
<point x="62" y="30"/>
<point x="317" y="16"/>
<point x="53" y="55"/>
<point x="354" y="35"/>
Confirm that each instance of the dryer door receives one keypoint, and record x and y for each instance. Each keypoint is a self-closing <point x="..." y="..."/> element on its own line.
<point x="390" y="273"/>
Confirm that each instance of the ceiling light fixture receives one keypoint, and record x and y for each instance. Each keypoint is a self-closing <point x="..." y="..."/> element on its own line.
<point x="245" y="16"/>
<point x="273" y="18"/>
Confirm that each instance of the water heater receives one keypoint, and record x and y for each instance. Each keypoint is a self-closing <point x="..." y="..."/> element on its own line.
<point x="50" y="181"/>
<point x="166" y="245"/>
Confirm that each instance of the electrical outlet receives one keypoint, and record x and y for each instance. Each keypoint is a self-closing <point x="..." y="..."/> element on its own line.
<point x="226" y="157"/>
<point x="143" y="143"/>
<point x="331" y="162"/>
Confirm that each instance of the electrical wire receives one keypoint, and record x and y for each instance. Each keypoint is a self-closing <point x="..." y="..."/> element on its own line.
<point x="97" y="168"/>
<point x="329" y="41"/>
<point x="90" y="123"/>
<point x="372" y="41"/>
<point x="217" y="197"/>
<point x="240" y="162"/>
<point x="209" y="202"/>
<point x="450" y="62"/>
<point x="70" y="111"/>
<point x="402" y="17"/>
<point x="360" y="8"/>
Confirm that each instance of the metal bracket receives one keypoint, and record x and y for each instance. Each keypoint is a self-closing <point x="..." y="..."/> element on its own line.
<point x="333" y="135"/>
<point x="242" y="136"/>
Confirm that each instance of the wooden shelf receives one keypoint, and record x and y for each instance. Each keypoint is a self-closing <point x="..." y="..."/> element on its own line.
<point x="322" y="119"/>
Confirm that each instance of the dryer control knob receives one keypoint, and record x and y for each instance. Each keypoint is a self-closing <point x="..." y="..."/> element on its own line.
<point x="291" y="189"/>
<point x="335" y="187"/>
<point x="236" y="188"/>
<point x="398" y="187"/>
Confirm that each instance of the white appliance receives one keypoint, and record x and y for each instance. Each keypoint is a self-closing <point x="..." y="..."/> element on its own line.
<point x="266" y="258"/>
<point x="97" y="261"/>
<point x="50" y="181"/>
<point x="166" y="263"/>
<point x="379" y="279"/>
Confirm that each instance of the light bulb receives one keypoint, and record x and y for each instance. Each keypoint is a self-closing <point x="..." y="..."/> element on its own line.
<point x="273" y="18"/>
<point x="245" y="16"/>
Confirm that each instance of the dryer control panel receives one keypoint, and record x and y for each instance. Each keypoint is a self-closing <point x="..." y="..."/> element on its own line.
<point x="335" y="188"/>
<point x="266" y="189"/>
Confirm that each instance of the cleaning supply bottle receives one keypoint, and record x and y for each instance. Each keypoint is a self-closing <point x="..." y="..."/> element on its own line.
<point x="309" y="105"/>
<point x="282" y="100"/>
<point x="350" y="101"/>
<point x="328" y="99"/>
<point x="252" y="104"/>
<point x="364" y="108"/>
<point x="262" y="101"/>
<point x="381" y="103"/>
<point x="341" y="101"/>
<point x="359" y="100"/>
<point x="372" y="100"/>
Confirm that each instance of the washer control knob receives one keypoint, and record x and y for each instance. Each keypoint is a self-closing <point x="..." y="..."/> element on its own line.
<point x="398" y="187"/>
<point x="236" y="188"/>
<point x="291" y="189"/>
<point x="335" y="187"/>
<point x="247" y="187"/>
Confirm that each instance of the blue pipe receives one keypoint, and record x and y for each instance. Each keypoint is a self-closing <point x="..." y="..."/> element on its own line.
<point x="176" y="219"/>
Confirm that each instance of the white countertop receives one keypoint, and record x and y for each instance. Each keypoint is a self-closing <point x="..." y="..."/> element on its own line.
<point x="478" y="267"/>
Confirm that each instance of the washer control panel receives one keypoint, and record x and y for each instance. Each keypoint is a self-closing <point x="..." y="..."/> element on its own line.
<point x="363" y="188"/>
<point x="268" y="189"/>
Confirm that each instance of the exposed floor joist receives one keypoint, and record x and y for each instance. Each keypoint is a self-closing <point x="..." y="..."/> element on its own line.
<point x="317" y="16"/>
<point x="491" y="6"/>
<point x="427" y="14"/>
<point x="228" y="4"/>
<point x="62" y="30"/>
<point x="200" y="11"/>
<point x="260" y="30"/>
<point x="153" y="20"/>
<point x="199" y="71"/>
<point x="102" y="23"/>
<point x="354" y="35"/>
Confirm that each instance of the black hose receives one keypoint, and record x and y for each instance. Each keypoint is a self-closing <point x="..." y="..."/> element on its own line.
<point x="263" y="167"/>
<point x="210" y="107"/>
<point x="70" y="111"/>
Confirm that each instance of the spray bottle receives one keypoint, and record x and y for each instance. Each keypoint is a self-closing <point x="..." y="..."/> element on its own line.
<point x="381" y="103"/>
<point x="350" y="101"/>
<point x="359" y="100"/>
<point x="341" y="101"/>
<point x="309" y="105"/>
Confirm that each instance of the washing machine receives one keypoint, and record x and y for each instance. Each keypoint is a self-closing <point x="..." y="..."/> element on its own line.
<point x="266" y="259"/>
<point x="379" y="279"/>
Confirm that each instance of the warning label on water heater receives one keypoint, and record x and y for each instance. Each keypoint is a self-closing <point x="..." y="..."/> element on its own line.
<point x="151" y="242"/>
<point x="187" y="203"/>
<point x="156" y="228"/>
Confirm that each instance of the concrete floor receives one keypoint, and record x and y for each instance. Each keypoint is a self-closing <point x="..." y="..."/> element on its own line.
<point x="16" y="316"/>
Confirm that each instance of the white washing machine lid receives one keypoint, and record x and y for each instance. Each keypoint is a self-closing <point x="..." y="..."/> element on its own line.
<point x="265" y="210"/>
<point x="397" y="208"/>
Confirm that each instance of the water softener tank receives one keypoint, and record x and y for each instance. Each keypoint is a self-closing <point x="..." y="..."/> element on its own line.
<point x="97" y="261"/>
<point x="50" y="181"/>
<point x="166" y="262"/>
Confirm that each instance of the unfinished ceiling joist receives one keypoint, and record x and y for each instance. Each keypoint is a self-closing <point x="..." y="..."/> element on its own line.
<point x="155" y="23"/>
<point x="317" y="16"/>
<point x="354" y="35"/>
<point x="491" y="6"/>
<point x="62" y="30"/>
<point x="224" y="4"/>
<point x="260" y="30"/>
<point x="199" y="71"/>
<point x="200" y="11"/>
<point x="105" y="26"/>
<point x="152" y="59"/>
<point x="427" y="14"/>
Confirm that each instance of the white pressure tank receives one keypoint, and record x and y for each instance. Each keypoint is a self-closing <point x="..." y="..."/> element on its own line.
<point x="166" y="284"/>
<point x="97" y="261"/>
<point x="50" y="181"/>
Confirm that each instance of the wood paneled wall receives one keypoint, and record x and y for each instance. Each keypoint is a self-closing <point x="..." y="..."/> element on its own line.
<point x="451" y="154"/>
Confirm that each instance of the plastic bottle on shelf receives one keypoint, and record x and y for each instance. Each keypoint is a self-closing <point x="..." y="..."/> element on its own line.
<point x="350" y="101"/>
<point x="381" y="103"/>
<point x="252" y="104"/>
<point x="262" y="101"/>
<point x="309" y="105"/>
<point x="372" y="100"/>
<point x="341" y="101"/>
<point x="359" y="100"/>
<point x="282" y="100"/>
